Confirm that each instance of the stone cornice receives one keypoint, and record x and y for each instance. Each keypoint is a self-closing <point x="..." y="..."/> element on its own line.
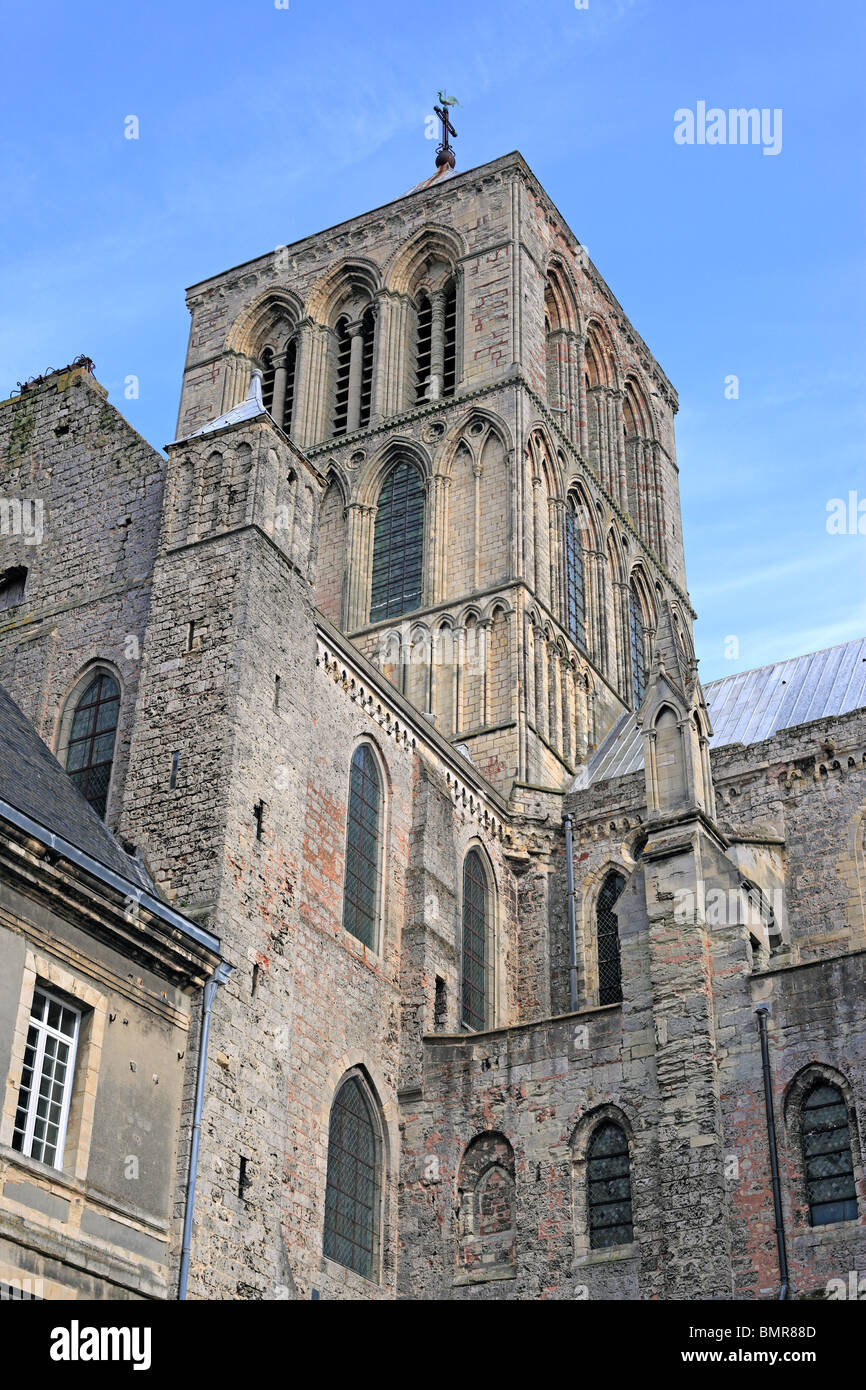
<point x="346" y="665"/>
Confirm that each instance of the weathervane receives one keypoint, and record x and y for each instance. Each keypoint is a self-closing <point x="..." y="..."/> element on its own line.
<point x="444" y="152"/>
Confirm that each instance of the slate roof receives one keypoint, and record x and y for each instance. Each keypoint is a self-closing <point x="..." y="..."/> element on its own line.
<point x="753" y="705"/>
<point x="247" y="410"/>
<point x="32" y="780"/>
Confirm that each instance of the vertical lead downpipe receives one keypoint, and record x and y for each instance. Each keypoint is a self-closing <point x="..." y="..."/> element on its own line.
<point x="763" y="1011"/>
<point x="572" y="928"/>
<point x="219" y="977"/>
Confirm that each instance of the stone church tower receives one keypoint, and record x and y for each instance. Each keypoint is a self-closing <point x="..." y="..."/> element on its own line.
<point x="412" y="724"/>
<point x="458" y="352"/>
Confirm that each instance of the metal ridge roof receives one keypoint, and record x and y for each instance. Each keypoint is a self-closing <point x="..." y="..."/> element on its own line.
<point x="750" y="706"/>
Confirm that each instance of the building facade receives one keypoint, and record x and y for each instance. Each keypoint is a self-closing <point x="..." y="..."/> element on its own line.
<point x="396" y="654"/>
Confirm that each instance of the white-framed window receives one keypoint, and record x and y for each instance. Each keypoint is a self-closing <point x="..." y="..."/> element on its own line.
<point x="46" y="1079"/>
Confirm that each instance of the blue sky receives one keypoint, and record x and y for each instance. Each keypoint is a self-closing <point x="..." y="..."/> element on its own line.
<point x="261" y="125"/>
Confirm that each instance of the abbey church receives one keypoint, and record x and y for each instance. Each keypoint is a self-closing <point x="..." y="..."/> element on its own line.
<point x="386" y="909"/>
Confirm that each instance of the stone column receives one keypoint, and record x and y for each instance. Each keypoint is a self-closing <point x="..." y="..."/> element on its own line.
<point x="356" y="567"/>
<point x="572" y="387"/>
<point x="542" y="697"/>
<point x="483" y="655"/>
<point x="236" y="369"/>
<point x="536" y="485"/>
<point x="476" y="548"/>
<point x="596" y="432"/>
<point x="583" y="424"/>
<point x="437" y="344"/>
<point x="392" y="355"/>
<point x="619" y="436"/>
<point x="556" y="550"/>
<point x="654" y="473"/>
<point x="621" y="658"/>
<point x="601" y="643"/>
<point x="554" y="697"/>
<point x="438" y="533"/>
<point x="278" y="404"/>
<point x="356" y="364"/>
<point x="313" y="384"/>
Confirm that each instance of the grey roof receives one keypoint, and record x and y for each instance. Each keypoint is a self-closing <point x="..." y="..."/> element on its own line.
<point x="34" y="783"/>
<point x="247" y="410"/>
<point x="752" y="705"/>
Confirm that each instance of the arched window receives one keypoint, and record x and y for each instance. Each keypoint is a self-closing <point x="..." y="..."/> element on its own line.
<point x="449" y="374"/>
<point x="436" y="343"/>
<point x="638" y="648"/>
<point x="353" y="1188"/>
<point x="341" y="390"/>
<point x="363" y="848"/>
<point x="423" y="347"/>
<point x="367" y="329"/>
<point x="354" y="383"/>
<point x="827" y="1158"/>
<point x="90" y="750"/>
<point x="289" y="399"/>
<point x="486" y="1211"/>
<point x="278" y="378"/>
<point x="608" y="1184"/>
<point x="607" y="938"/>
<point x="476" y="942"/>
<point x="398" y="545"/>
<point x="12" y="585"/>
<point x="574" y="581"/>
<point x="551" y="362"/>
<point x="268" y="373"/>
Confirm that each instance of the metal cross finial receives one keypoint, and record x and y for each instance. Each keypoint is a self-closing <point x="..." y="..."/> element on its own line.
<point x="444" y="152"/>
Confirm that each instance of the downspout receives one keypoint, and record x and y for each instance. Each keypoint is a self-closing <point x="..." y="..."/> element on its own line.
<point x="763" y="1012"/>
<point x="572" y="927"/>
<point x="219" y="977"/>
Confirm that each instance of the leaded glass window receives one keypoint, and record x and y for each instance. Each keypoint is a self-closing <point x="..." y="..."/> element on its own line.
<point x="46" y="1079"/>
<point x="607" y="937"/>
<point x="608" y="1176"/>
<point x="476" y="946"/>
<point x="361" y="883"/>
<point x="398" y="545"/>
<point x="574" y="579"/>
<point x="353" y="1184"/>
<point x="638" y="649"/>
<point x="90" y="751"/>
<point x="827" y="1156"/>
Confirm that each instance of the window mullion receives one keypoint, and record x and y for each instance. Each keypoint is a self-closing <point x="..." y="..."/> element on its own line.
<point x="38" y="1063"/>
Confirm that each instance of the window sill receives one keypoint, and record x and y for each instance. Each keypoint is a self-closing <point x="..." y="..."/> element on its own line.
<point x="350" y="1277"/>
<point x="826" y="1235"/>
<point x="63" y="1184"/>
<point x="58" y="1177"/>
<point x="610" y="1255"/>
<point x="492" y="1274"/>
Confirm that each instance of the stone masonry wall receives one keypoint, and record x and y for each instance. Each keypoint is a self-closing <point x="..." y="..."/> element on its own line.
<point x="99" y="486"/>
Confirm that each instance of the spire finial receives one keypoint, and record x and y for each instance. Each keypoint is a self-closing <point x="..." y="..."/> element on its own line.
<point x="444" y="152"/>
